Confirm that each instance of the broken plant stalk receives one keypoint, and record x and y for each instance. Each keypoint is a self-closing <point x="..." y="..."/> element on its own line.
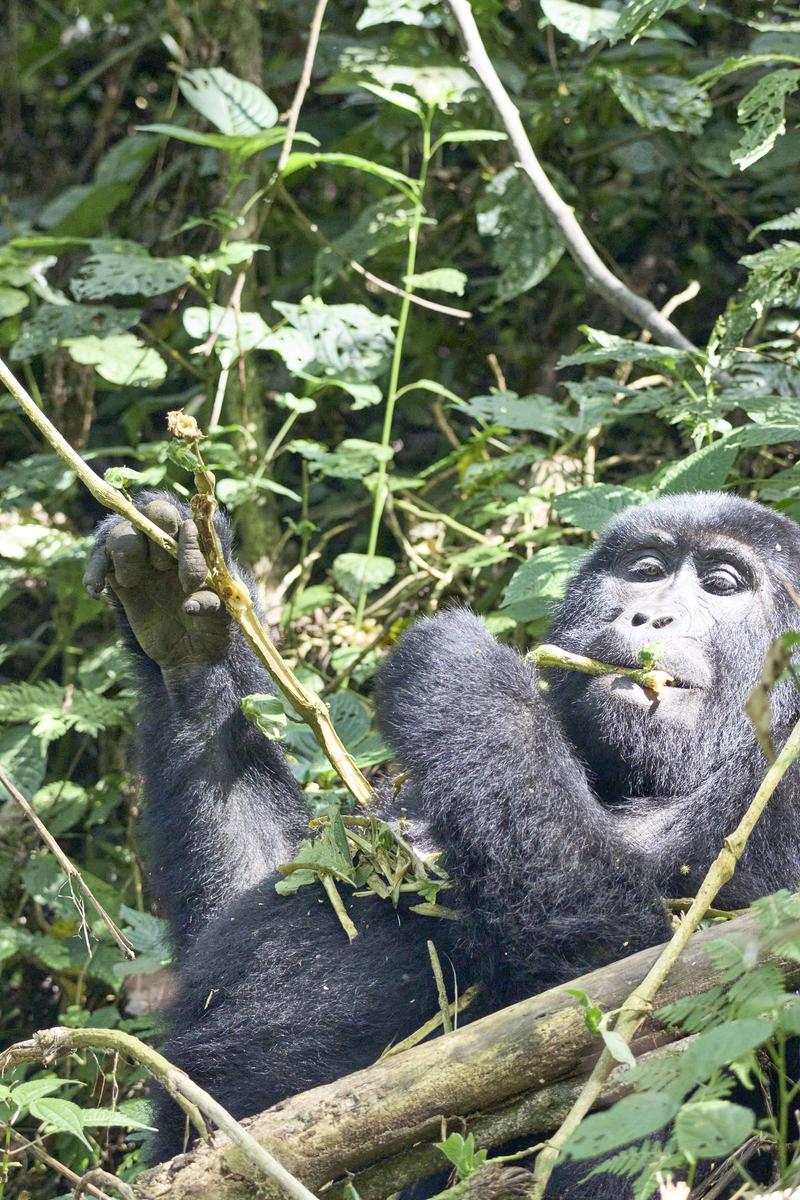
<point x="553" y="656"/>
<point x="231" y="591"/>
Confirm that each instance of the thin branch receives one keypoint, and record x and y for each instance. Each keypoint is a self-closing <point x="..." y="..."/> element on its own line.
<point x="233" y="594"/>
<point x="461" y="313"/>
<point x="594" y="270"/>
<point x="553" y="656"/>
<point x="640" y="1002"/>
<point x="303" y="84"/>
<point x="21" y="1144"/>
<point x="50" y="1044"/>
<point x="69" y="868"/>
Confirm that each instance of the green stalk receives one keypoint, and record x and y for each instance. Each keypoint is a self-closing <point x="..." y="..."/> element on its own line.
<point x="379" y="499"/>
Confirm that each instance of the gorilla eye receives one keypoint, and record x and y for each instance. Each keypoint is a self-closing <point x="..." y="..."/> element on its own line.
<point x="647" y="567"/>
<point x="723" y="581"/>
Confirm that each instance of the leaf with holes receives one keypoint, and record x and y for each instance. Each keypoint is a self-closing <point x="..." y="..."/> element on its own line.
<point x="712" y="1128"/>
<point x="524" y="246"/>
<point x="103" y="275"/>
<point x="762" y="113"/>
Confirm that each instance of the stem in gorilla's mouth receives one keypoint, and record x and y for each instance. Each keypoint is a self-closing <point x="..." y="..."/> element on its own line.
<point x="652" y="680"/>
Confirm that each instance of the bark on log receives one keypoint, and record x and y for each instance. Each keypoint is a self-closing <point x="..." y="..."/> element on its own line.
<point x="386" y="1110"/>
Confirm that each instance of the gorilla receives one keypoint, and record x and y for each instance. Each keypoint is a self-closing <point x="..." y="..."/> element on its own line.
<point x="565" y="807"/>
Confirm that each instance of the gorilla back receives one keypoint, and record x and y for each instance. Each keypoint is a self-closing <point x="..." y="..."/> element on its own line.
<point x="565" y="814"/>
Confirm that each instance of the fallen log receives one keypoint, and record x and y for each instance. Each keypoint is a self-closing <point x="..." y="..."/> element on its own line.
<point x="508" y="1074"/>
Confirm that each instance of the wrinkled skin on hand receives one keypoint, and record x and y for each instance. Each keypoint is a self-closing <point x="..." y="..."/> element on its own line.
<point x="174" y="618"/>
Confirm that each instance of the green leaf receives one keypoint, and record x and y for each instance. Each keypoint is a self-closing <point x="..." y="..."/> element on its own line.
<point x="24" y="758"/>
<point x="345" y="342"/>
<point x="34" y="1089"/>
<point x="524" y="245"/>
<point x="392" y="96"/>
<point x="351" y="717"/>
<point x="712" y="1128"/>
<point x="267" y="713"/>
<point x="583" y="24"/>
<point x="461" y="1152"/>
<point x="608" y="347"/>
<point x="617" y="1047"/>
<point x="54" y="324"/>
<point x="105" y="1118"/>
<point x="460" y="136"/>
<point x="237" y="146"/>
<point x="104" y="275"/>
<point x="235" y="106"/>
<point x="539" y="582"/>
<point x="300" y="159"/>
<point x="762" y="112"/>
<point x="634" y="1117"/>
<point x="593" y="507"/>
<point x="120" y="359"/>
<point x="440" y="279"/>
<point x="538" y="414"/>
<point x="660" y="101"/>
<point x="405" y="12"/>
<point x="12" y="301"/>
<point x="237" y="332"/>
<point x="61" y="1116"/>
<point x="82" y="210"/>
<point x="704" y="471"/>
<point x="352" y="459"/>
<point x="353" y="572"/>
<point x="637" y="16"/>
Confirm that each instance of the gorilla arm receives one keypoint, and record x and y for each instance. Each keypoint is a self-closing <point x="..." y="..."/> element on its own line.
<point x="544" y="875"/>
<point x="222" y="808"/>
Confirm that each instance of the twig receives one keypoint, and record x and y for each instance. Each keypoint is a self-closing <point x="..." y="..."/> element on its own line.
<point x="303" y="84"/>
<point x="554" y="656"/>
<point x="69" y="869"/>
<point x="22" y="1144"/>
<point x="454" y="1009"/>
<point x="50" y="1044"/>
<point x="594" y="270"/>
<point x="461" y="313"/>
<point x="640" y="1001"/>
<point x="441" y="990"/>
<point x="233" y="594"/>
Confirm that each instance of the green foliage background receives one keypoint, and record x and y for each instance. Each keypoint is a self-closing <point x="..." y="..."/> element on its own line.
<point x="138" y="194"/>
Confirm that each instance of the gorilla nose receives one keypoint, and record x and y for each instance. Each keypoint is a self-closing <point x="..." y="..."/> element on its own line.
<point x="656" y="620"/>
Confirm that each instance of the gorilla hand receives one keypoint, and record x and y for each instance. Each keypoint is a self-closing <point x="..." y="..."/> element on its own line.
<point x="175" y="620"/>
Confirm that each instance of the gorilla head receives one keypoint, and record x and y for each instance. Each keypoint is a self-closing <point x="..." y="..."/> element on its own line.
<point x="711" y="579"/>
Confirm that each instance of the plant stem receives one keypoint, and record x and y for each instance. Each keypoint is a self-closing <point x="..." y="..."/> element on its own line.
<point x="379" y="498"/>
<point x="640" y="1002"/>
<point x="554" y="656"/>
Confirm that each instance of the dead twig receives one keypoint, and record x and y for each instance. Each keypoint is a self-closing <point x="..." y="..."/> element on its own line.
<point x="69" y="868"/>
<point x="591" y="266"/>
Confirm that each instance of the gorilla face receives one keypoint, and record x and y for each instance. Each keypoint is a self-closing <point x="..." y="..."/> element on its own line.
<point x="700" y="576"/>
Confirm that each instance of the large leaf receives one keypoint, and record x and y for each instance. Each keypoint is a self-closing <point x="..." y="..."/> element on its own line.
<point x="637" y="16"/>
<point x="54" y="324"/>
<point x="583" y="24"/>
<point x="762" y="112"/>
<point x="237" y="333"/>
<point x="104" y="275"/>
<point x="634" y="1117"/>
<point x="82" y="210"/>
<point x="712" y="1128"/>
<point x="59" y="1115"/>
<point x="120" y="359"/>
<point x="524" y="245"/>
<point x="440" y="279"/>
<point x="342" y="341"/>
<point x="233" y="105"/>
<point x="538" y="583"/>
<point x="354" y="572"/>
<point x="539" y="414"/>
<point x="593" y="507"/>
<point x="660" y="101"/>
<point x="23" y="757"/>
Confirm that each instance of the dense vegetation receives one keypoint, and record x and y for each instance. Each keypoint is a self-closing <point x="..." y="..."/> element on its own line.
<point x="379" y="456"/>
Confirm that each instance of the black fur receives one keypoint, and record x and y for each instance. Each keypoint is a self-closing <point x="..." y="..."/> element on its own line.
<point x="565" y="816"/>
